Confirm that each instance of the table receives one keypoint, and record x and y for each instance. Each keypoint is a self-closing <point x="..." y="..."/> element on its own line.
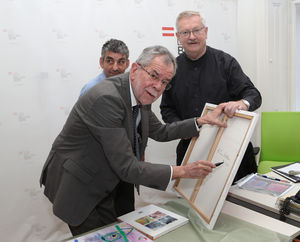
<point x="236" y="221"/>
<point x="260" y="219"/>
<point x="262" y="203"/>
<point x="229" y="226"/>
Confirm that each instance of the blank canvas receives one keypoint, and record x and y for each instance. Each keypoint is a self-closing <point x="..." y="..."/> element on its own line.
<point x="216" y="144"/>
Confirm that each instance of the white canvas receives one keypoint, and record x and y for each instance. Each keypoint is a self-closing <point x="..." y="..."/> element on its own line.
<point x="229" y="149"/>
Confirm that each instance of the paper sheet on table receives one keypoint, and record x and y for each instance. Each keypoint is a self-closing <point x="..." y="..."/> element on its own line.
<point x="294" y="167"/>
<point x="260" y="184"/>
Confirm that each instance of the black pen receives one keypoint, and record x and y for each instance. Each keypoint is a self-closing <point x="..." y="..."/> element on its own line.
<point x="219" y="163"/>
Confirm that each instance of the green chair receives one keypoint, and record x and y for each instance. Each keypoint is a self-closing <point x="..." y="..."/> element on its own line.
<point x="280" y="139"/>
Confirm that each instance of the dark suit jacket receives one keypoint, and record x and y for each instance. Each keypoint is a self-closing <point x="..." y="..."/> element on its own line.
<point x="94" y="151"/>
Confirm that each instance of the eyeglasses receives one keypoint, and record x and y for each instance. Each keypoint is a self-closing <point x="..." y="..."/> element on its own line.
<point x="187" y="33"/>
<point x="155" y="77"/>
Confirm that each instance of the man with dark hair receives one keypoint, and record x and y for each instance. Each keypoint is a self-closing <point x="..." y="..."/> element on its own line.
<point x="205" y="74"/>
<point x="114" y="61"/>
<point x="104" y="136"/>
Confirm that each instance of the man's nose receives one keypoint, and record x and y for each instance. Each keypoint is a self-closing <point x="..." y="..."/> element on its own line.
<point x="158" y="85"/>
<point x="192" y="36"/>
<point x="115" y="66"/>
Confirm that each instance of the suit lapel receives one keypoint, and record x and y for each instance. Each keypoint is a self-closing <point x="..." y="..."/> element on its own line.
<point x="125" y="93"/>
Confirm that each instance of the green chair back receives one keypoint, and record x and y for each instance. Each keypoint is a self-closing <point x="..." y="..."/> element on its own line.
<point x="280" y="139"/>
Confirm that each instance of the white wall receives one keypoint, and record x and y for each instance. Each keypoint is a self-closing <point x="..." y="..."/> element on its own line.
<point x="297" y="56"/>
<point x="263" y="48"/>
<point x="49" y="50"/>
<point x="266" y="51"/>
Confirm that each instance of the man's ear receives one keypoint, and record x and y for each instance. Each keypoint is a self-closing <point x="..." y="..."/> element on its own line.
<point x="127" y="63"/>
<point x="206" y="30"/>
<point x="101" y="62"/>
<point x="133" y="69"/>
<point x="134" y="66"/>
<point x="177" y="36"/>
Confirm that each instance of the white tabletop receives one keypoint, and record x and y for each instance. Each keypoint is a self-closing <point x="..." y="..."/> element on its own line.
<point x="262" y="200"/>
<point x="260" y="219"/>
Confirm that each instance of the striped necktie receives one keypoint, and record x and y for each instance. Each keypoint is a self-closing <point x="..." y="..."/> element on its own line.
<point x="135" y="112"/>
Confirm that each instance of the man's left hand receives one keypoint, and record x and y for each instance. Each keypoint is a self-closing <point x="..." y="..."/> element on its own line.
<point x="233" y="106"/>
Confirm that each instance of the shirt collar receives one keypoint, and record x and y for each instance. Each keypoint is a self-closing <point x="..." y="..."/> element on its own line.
<point x="103" y="75"/>
<point x="133" y="101"/>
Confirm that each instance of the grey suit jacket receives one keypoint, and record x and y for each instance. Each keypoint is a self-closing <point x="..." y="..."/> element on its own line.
<point x="94" y="151"/>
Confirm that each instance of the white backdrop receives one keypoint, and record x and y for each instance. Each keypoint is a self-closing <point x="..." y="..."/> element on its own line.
<point x="49" y="50"/>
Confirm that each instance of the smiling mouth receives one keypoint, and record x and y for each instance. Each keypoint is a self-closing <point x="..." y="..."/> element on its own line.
<point x="152" y="93"/>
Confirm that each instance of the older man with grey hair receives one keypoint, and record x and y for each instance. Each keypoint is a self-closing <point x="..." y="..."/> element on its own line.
<point x="98" y="149"/>
<point x="205" y="74"/>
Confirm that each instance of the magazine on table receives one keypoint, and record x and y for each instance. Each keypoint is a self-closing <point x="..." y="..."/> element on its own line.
<point x="153" y="221"/>
<point x="121" y="232"/>
<point x="265" y="184"/>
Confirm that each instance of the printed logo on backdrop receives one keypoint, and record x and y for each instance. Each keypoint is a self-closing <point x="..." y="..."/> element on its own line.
<point x="60" y="35"/>
<point x="171" y="3"/>
<point x="65" y="110"/>
<point x="138" y="3"/>
<point x="26" y="155"/>
<point x="226" y="36"/>
<point x="139" y="34"/>
<point x="12" y="36"/>
<point x="42" y="76"/>
<point x="17" y="78"/>
<point x="224" y="5"/>
<point x="64" y="74"/>
<point x="101" y="34"/>
<point x="33" y="192"/>
<point x="170" y="32"/>
<point x="100" y="1"/>
<point x="179" y="48"/>
<point x="21" y="117"/>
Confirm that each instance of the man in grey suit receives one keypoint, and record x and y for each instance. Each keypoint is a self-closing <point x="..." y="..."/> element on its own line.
<point x="94" y="152"/>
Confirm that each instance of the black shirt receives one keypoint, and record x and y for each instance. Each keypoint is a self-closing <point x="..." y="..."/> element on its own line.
<point x="215" y="77"/>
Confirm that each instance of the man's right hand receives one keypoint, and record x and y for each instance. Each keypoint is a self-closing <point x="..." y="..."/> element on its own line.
<point x="198" y="169"/>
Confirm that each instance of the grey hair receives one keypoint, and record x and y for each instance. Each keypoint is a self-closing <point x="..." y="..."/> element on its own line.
<point x="116" y="46"/>
<point x="153" y="51"/>
<point x="185" y="14"/>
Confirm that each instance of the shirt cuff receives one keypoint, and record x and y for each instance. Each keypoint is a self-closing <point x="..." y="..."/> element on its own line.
<point x="246" y="103"/>
<point x="197" y="125"/>
<point x="170" y="184"/>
